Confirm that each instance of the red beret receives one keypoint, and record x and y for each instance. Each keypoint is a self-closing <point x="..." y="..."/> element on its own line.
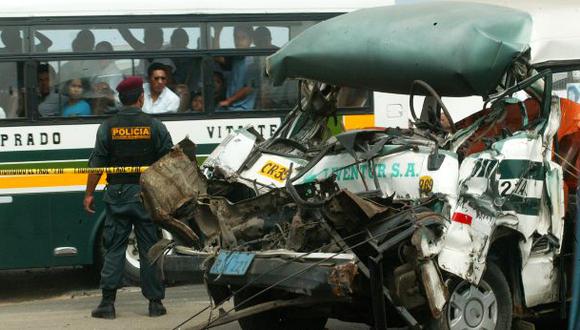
<point x="129" y="84"/>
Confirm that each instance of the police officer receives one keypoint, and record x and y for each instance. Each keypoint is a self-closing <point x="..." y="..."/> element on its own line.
<point x="129" y="138"/>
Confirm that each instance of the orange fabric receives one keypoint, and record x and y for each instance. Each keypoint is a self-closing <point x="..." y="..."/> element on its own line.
<point x="570" y="122"/>
<point x="569" y="138"/>
<point x="513" y="121"/>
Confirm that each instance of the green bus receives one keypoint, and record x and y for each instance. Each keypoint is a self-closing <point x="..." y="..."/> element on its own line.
<point x="45" y="46"/>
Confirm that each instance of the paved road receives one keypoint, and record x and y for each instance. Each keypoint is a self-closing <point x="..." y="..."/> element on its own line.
<point x="63" y="298"/>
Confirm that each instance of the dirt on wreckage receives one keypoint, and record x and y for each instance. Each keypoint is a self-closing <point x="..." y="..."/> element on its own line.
<point x="314" y="246"/>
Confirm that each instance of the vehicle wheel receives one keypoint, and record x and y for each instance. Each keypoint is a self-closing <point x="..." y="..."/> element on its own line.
<point x="266" y="320"/>
<point x="486" y="306"/>
<point x="317" y="323"/>
<point x="132" y="267"/>
<point x="98" y="256"/>
<point x="274" y="319"/>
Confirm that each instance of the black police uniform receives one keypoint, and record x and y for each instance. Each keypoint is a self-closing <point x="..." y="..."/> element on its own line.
<point x="130" y="138"/>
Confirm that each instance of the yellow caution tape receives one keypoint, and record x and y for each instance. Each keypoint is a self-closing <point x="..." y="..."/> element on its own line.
<point x="73" y="170"/>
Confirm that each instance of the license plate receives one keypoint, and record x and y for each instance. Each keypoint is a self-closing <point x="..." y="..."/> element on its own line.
<point x="232" y="263"/>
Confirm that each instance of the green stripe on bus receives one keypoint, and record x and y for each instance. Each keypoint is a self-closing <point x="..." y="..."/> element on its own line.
<point x="64" y="154"/>
<point x="44" y="155"/>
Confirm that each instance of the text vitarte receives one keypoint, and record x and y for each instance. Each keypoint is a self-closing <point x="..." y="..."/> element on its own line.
<point x="220" y="132"/>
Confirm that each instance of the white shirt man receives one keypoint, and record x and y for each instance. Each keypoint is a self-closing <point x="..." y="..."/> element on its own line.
<point x="159" y="98"/>
<point x="167" y="101"/>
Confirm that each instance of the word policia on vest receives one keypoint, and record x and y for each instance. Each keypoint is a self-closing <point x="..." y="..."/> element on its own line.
<point x="131" y="133"/>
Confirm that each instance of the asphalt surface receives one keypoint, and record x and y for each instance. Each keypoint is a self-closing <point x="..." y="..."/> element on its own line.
<point x="63" y="299"/>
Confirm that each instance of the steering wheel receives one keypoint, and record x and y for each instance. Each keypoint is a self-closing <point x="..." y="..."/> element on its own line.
<point x="433" y="93"/>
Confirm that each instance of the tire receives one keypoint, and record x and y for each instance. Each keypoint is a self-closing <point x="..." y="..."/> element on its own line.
<point x="132" y="275"/>
<point x="466" y="306"/>
<point x="275" y="319"/>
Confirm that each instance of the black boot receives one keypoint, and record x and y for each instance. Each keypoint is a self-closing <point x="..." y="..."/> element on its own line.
<point x="106" y="309"/>
<point x="156" y="308"/>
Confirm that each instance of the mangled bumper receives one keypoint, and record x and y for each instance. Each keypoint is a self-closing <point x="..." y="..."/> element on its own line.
<point x="319" y="274"/>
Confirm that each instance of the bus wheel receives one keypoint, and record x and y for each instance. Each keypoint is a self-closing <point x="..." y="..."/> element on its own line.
<point x="485" y="306"/>
<point x="132" y="267"/>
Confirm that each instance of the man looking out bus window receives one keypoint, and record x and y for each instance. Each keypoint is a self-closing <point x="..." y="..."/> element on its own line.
<point x="49" y="101"/>
<point x="129" y="138"/>
<point x="242" y="79"/>
<point x="158" y="97"/>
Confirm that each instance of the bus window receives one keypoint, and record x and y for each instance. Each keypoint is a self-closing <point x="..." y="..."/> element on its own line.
<point x="157" y="37"/>
<point x="274" y="97"/>
<point x="266" y="35"/>
<point x="240" y="84"/>
<point x="11" y="99"/>
<point x="143" y="37"/>
<point x="80" y="87"/>
<point x="98" y="79"/>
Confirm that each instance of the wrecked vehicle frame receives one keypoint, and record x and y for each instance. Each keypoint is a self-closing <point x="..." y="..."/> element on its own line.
<point x="384" y="222"/>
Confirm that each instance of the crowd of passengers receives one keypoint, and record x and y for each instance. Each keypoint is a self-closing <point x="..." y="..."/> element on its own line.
<point x="87" y="87"/>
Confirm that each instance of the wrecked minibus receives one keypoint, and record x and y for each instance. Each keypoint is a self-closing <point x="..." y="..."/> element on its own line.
<point x="451" y="224"/>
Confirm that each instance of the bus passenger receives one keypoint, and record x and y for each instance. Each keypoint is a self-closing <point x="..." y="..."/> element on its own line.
<point x="179" y="39"/>
<point x="12" y="41"/>
<point x="49" y="101"/>
<point x="187" y="70"/>
<point x="183" y="92"/>
<point x="263" y="38"/>
<point x="152" y="38"/>
<point x="76" y="105"/>
<point x="102" y="99"/>
<point x="108" y="76"/>
<point x="158" y="97"/>
<point x="123" y="205"/>
<point x="219" y="89"/>
<point x="106" y="69"/>
<point x="84" y="42"/>
<point x="11" y="96"/>
<point x="197" y="102"/>
<point x="241" y="83"/>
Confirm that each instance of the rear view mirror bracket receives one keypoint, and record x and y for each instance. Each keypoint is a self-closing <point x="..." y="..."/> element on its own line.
<point x="435" y="159"/>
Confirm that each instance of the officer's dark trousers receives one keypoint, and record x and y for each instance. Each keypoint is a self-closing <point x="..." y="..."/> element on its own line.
<point x="116" y="232"/>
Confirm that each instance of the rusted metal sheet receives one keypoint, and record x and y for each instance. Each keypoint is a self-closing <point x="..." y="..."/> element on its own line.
<point x="169" y="185"/>
<point x="341" y="279"/>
